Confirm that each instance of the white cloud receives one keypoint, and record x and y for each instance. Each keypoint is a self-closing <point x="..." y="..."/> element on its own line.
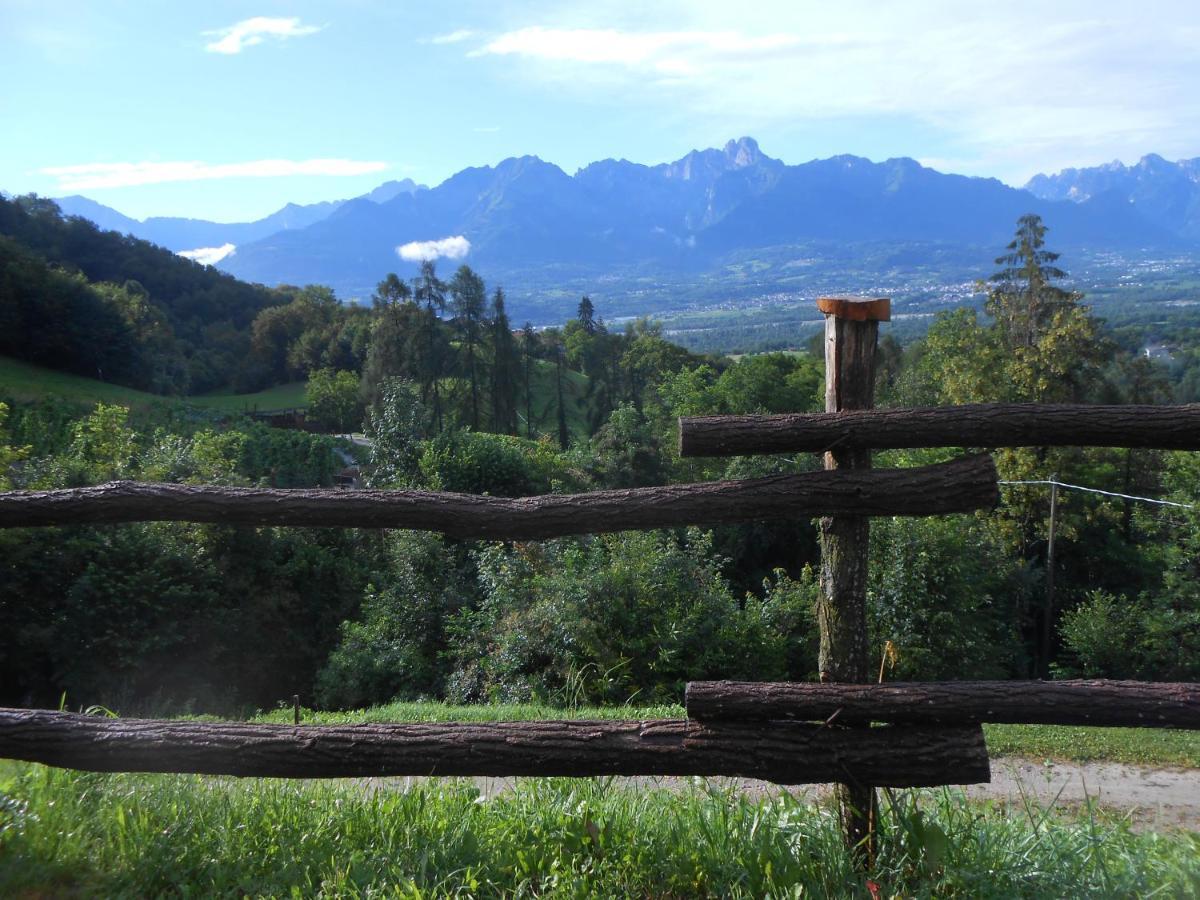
<point x="1079" y="82"/>
<point x="667" y="51"/>
<point x="209" y="256"/>
<point x="249" y="32"/>
<point x="454" y="37"/>
<point x="448" y="248"/>
<point x="92" y="176"/>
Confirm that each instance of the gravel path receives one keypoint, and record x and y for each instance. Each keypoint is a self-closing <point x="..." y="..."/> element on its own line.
<point x="1154" y="798"/>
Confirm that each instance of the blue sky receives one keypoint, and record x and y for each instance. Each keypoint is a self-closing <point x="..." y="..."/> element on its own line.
<point x="227" y="110"/>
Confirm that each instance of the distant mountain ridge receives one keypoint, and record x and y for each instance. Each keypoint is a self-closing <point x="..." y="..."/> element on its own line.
<point x="1165" y="193"/>
<point x="177" y="233"/>
<point x="524" y="214"/>
<point x="703" y="218"/>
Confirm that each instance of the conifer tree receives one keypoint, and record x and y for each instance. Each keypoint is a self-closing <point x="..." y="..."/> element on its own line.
<point x="1047" y="339"/>
<point x="504" y="368"/>
<point x="390" y="352"/>
<point x="587" y="315"/>
<point x="1024" y="300"/>
<point x="430" y="293"/>
<point x="528" y="355"/>
<point x="468" y="298"/>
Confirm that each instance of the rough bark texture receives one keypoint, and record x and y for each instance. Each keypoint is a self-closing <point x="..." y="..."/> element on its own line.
<point x="842" y="607"/>
<point x="977" y="425"/>
<point x="1120" y="703"/>
<point x="958" y="486"/>
<point x="786" y="753"/>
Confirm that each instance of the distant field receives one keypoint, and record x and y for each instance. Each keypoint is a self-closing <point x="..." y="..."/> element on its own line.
<point x="283" y="396"/>
<point x="23" y="381"/>
<point x="545" y="410"/>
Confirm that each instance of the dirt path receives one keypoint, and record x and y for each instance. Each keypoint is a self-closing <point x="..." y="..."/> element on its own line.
<point x="1154" y="798"/>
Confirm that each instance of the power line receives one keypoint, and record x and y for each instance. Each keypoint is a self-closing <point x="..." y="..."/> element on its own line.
<point x="1090" y="490"/>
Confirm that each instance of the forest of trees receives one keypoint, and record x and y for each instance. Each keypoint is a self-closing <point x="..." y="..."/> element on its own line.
<point x="452" y="396"/>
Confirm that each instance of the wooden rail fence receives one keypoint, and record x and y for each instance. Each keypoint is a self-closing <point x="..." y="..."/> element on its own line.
<point x="787" y="733"/>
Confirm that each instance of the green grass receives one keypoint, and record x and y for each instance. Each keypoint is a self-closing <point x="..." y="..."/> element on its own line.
<point x="77" y="834"/>
<point x="447" y="712"/>
<point x="284" y="396"/>
<point x="545" y="402"/>
<point x="23" y="381"/>
<point x="1135" y="746"/>
<point x="84" y="834"/>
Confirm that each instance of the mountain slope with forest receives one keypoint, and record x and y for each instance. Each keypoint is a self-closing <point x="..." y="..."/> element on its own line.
<point x="101" y="304"/>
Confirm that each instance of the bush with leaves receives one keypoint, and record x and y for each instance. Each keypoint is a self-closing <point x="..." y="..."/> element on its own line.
<point x="397" y="647"/>
<point x="334" y="401"/>
<point x="629" y="617"/>
<point x="476" y="462"/>
<point x="945" y="593"/>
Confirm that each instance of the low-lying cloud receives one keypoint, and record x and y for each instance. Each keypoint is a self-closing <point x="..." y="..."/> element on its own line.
<point x="208" y="256"/>
<point x="445" y="248"/>
<point x="251" y="32"/>
<point x="91" y="176"/>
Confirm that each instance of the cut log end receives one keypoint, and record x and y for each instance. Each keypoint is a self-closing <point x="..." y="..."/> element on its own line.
<point x="857" y="309"/>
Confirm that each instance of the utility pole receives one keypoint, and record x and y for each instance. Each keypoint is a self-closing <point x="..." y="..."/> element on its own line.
<point x="1048" y="620"/>
<point x="851" y="334"/>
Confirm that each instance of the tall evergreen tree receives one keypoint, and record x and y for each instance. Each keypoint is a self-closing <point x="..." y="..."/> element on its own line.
<point x="528" y="356"/>
<point x="430" y="292"/>
<point x="390" y="351"/>
<point x="560" y="365"/>
<point x="468" y="298"/>
<point x="504" y="368"/>
<point x="587" y="315"/>
<point x="1024" y="300"/>
<point x="1046" y="337"/>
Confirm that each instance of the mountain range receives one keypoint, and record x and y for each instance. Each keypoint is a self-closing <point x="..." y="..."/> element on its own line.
<point x="1164" y="193"/>
<point x="181" y="234"/>
<point x="628" y="228"/>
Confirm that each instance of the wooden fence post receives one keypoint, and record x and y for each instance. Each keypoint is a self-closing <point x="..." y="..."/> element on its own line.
<point x="851" y="332"/>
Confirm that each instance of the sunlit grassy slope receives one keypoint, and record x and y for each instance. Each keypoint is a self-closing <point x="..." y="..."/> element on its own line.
<point x="283" y="396"/>
<point x="23" y="381"/>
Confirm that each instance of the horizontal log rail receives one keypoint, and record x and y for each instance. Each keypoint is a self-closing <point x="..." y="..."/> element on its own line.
<point x="977" y="425"/>
<point x="1083" y="702"/>
<point x="785" y="753"/>
<point x="959" y="486"/>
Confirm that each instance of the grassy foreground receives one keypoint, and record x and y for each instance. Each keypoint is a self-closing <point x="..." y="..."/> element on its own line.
<point x="85" y="834"/>
<point x="89" y="835"/>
